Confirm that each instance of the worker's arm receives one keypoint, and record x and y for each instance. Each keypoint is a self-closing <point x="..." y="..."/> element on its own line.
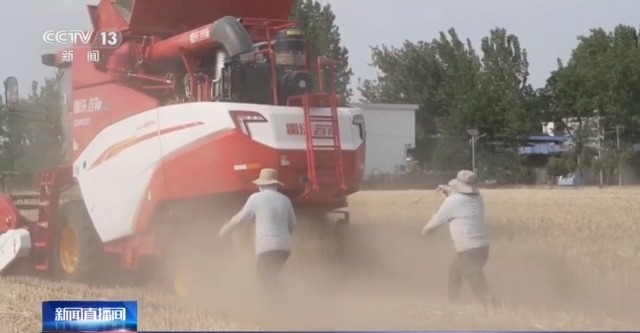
<point x="246" y="213"/>
<point x="292" y="219"/>
<point x="444" y="215"/>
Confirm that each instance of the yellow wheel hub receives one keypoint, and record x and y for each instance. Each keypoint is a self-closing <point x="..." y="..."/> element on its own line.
<point x="182" y="279"/>
<point x="69" y="249"/>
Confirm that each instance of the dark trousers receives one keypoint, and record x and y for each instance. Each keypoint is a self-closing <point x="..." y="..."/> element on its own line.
<point x="468" y="265"/>
<point x="269" y="266"/>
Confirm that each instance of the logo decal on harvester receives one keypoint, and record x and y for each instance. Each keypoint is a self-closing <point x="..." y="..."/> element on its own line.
<point x="199" y="35"/>
<point x="319" y="130"/>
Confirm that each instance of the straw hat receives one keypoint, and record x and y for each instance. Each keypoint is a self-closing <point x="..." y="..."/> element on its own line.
<point x="267" y="177"/>
<point x="465" y="182"/>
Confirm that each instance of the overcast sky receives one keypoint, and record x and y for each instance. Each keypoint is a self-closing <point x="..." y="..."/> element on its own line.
<point x="546" y="28"/>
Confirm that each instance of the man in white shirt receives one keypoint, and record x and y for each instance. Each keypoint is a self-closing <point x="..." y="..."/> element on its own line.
<point x="463" y="210"/>
<point x="274" y="223"/>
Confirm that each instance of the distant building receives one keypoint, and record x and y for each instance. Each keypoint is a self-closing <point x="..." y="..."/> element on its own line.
<point x="545" y="145"/>
<point x="590" y="128"/>
<point x="555" y="142"/>
<point x="391" y="133"/>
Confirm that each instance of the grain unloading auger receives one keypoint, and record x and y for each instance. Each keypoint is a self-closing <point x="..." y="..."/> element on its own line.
<point x="165" y="132"/>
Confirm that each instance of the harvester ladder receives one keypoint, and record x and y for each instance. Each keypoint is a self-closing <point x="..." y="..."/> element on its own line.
<point x="311" y="137"/>
<point x="42" y="235"/>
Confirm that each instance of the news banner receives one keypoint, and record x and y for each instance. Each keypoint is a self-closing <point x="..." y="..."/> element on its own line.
<point x="117" y="316"/>
<point x="89" y="316"/>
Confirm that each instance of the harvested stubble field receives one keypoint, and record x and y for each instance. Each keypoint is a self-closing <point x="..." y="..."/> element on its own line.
<point x="561" y="259"/>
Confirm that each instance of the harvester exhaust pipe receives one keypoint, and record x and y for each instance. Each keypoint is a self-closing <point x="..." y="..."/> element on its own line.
<point x="233" y="35"/>
<point x="226" y="31"/>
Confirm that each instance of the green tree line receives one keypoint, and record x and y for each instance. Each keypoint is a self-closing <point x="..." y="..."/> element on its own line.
<point x="31" y="137"/>
<point x="459" y="88"/>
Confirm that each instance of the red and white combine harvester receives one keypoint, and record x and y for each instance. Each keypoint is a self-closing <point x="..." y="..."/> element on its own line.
<point x="166" y="131"/>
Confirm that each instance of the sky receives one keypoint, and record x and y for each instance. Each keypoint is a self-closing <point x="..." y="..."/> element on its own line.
<point x="547" y="29"/>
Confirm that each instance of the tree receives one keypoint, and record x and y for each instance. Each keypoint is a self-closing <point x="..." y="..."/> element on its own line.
<point x="509" y="109"/>
<point x="47" y="139"/>
<point x="441" y="76"/>
<point x="460" y="95"/>
<point x="457" y="89"/>
<point x="600" y="81"/>
<point x="34" y="132"/>
<point x="409" y="74"/>
<point x="6" y="160"/>
<point x="318" y="25"/>
<point x="557" y="167"/>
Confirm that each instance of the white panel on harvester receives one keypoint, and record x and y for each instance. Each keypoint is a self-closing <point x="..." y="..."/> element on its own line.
<point x="14" y="244"/>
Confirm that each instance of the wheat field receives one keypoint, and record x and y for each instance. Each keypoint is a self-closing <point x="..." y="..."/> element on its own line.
<point x="561" y="259"/>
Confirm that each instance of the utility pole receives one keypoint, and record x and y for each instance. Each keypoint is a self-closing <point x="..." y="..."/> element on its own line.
<point x="618" y="128"/>
<point x="474" y="137"/>
<point x="600" y="139"/>
<point x="474" y="133"/>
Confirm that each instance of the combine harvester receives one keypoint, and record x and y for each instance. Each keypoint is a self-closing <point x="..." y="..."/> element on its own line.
<point x="166" y="131"/>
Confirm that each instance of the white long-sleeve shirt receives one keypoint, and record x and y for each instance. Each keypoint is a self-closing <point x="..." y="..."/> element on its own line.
<point x="274" y="220"/>
<point x="465" y="215"/>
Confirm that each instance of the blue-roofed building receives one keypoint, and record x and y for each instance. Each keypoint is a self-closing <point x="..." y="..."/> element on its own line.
<point x="545" y="145"/>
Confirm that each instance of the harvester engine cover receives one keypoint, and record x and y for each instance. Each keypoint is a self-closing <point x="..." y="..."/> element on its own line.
<point x="249" y="75"/>
<point x="250" y="82"/>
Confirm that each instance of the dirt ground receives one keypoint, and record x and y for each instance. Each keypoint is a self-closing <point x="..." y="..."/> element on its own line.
<point x="561" y="259"/>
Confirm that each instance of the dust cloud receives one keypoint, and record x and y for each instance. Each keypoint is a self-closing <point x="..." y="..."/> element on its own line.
<point x="383" y="274"/>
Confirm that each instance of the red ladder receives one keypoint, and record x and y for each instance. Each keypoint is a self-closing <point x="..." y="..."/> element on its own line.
<point x="42" y="241"/>
<point x="316" y="100"/>
<point x="44" y="232"/>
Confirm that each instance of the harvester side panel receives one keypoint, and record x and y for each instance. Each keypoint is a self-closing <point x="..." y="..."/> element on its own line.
<point x="266" y="143"/>
<point x="115" y="169"/>
<point x="211" y="162"/>
<point x="96" y="104"/>
<point x="188" y="150"/>
<point x="85" y="74"/>
<point x="286" y="128"/>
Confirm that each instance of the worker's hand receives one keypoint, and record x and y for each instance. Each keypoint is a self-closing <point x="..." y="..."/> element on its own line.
<point x="223" y="230"/>
<point x="426" y="231"/>
<point x="444" y="190"/>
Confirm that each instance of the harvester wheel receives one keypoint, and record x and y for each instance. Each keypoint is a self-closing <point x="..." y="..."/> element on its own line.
<point x="79" y="248"/>
<point x="180" y="272"/>
<point x="341" y="235"/>
<point x="182" y="276"/>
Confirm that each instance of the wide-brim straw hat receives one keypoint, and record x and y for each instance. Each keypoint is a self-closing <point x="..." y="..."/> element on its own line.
<point x="268" y="177"/>
<point x="465" y="182"/>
